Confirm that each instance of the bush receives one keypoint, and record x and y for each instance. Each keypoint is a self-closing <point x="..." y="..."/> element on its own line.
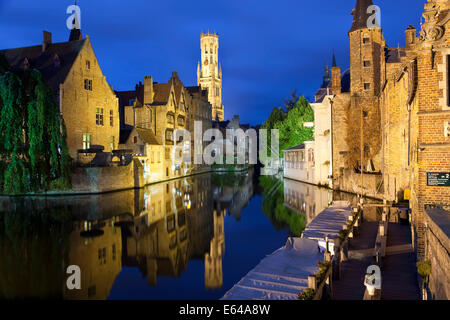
<point x="323" y="268"/>
<point x="424" y="268"/>
<point x="307" y="294"/>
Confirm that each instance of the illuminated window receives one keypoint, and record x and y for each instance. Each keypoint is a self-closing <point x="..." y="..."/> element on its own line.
<point x="86" y="141"/>
<point x="111" y="141"/>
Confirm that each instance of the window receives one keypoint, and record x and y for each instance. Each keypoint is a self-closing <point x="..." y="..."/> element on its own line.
<point x="102" y="256"/>
<point x="366" y="63"/>
<point x="366" y="86"/>
<point x="365" y="113"/>
<point x="99" y="117"/>
<point x="88" y="84"/>
<point x="153" y="157"/>
<point x="159" y="157"/>
<point x="91" y="291"/>
<point x="366" y="40"/>
<point x="88" y="65"/>
<point x="169" y="135"/>
<point x="111" y="141"/>
<point x="135" y="139"/>
<point x="114" y="251"/>
<point x="217" y="92"/>
<point x="111" y="118"/>
<point x="86" y="141"/>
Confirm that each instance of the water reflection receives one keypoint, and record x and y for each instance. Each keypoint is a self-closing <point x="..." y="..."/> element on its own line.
<point x="158" y="231"/>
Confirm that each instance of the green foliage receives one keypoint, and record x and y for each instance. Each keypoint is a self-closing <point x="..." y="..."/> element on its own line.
<point x="424" y="268"/>
<point x="323" y="269"/>
<point x="307" y="294"/>
<point x="33" y="149"/>
<point x="290" y="124"/>
<point x="273" y="207"/>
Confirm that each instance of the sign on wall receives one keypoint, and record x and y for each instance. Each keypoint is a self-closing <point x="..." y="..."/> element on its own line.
<point x="438" y="179"/>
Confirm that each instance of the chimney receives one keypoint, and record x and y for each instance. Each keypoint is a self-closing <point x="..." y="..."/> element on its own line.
<point x="336" y="80"/>
<point x="47" y="40"/>
<point x="410" y="35"/>
<point x="148" y="90"/>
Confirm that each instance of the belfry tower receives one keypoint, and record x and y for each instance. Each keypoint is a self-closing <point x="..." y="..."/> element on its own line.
<point x="209" y="72"/>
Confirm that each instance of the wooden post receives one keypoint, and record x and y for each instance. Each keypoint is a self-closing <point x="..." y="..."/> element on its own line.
<point x="336" y="261"/>
<point x="312" y="282"/>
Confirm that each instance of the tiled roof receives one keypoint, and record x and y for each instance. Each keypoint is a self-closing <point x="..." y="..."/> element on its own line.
<point x="162" y="93"/>
<point x="54" y="73"/>
<point x="148" y="136"/>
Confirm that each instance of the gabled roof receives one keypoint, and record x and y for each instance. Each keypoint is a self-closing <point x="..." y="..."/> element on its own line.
<point x="162" y="93"/>
<point x="148" y="136"/>
<point x="55" y="74"/>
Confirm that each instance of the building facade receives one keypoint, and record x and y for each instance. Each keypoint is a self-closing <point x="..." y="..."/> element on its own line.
<point x="391" y="132"/>
<point x="151" y="115"/>
<point x="87" y="102"/>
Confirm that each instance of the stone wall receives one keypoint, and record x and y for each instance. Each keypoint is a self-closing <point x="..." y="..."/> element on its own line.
<point x="104" y="179"/>
<point x="437" y="250"/>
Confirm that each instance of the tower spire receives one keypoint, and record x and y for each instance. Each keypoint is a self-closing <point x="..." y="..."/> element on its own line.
<point x="334" y="60"/>
<point x="360" y="15"/>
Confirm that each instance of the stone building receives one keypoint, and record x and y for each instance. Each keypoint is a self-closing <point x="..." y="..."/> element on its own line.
<point x="209" y="73"/>
<point x="156" y="111"/>
<point x="87" y="102"/>
<point x="396" y="119"/>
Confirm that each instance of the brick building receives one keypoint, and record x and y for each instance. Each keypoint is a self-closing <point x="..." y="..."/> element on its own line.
<point x="396" y="119"/>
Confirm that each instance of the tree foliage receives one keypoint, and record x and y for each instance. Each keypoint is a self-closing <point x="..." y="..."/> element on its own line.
<point x="33" y="149"/>
<point x="290" y="124"/>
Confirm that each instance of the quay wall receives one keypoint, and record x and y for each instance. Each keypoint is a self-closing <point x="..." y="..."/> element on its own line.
<point x="437" y="250"/>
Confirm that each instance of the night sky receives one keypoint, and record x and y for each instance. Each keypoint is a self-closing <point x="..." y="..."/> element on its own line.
<point x="267" y="48"/>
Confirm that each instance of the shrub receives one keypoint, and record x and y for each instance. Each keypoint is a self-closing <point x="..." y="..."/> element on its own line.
<point x="424" y="268"/>
<point x="307" y="294"/>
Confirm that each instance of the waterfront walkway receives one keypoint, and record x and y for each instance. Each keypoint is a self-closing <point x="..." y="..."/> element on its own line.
<point x="398" y="270"/>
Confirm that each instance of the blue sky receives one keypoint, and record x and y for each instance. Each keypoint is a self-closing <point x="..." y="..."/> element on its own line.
<point x="267" y="48"/>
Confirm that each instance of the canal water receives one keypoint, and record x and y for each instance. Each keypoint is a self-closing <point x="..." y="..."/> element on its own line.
<point x="191" y="238"/>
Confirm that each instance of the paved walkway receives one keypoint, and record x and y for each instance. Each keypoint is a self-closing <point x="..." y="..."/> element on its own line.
<point x="399" y="275"/>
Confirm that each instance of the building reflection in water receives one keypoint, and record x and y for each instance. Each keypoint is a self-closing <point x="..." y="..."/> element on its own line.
<point x="158" y="229"/>
<point x="306" y="199"/>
